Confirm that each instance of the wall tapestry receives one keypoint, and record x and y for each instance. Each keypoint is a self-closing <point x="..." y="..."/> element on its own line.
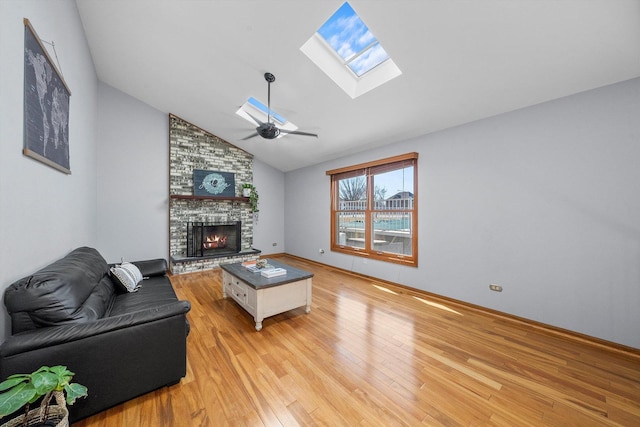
<point x="213" y="183"/>
<point x="46" y="105"/>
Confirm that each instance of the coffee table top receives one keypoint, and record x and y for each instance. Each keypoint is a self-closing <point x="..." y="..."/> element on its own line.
<point x="258" y="281"/>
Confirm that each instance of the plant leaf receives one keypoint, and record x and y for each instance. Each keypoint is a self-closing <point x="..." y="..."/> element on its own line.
<point x="64" y="376"/>
<point x="44" y="381"/>
<point x="16" y="398"/>
<point x="12" y="381"/>
<point x="61" y="371"/>
<point x="74" y="391"/>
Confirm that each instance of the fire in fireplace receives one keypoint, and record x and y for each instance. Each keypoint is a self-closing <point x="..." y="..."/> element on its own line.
<point x="214" y="242"/>
<point x="212" y="239"/>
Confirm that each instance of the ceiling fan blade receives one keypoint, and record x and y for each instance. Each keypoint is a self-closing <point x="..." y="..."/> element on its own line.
<point x="258" y="122"/>
<point x="250" y="136"/>
<point x="297" y="132"/>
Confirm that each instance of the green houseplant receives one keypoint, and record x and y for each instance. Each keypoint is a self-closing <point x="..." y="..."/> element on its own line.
<point x="21" y="390"/>
<point x="249" y="190"/>
<point x="246" y="189"/>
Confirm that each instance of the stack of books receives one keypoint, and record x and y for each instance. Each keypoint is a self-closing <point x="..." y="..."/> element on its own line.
<point x="251" y="266"/>
<point x="273" y="272"/>
<point x="267" y="270"/>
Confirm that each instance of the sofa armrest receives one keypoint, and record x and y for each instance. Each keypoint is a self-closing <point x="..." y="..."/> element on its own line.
<point x="49" y="337"/>
<point x="152" y="267"/>
<point x="116" y="358"/>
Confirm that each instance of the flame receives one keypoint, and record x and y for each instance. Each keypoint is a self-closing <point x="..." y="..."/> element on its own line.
<point x="214" y="242"/>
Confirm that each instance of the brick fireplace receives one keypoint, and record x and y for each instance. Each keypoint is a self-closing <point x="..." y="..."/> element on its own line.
<point x="212" y="239"/>
<point x="193" y="148"/>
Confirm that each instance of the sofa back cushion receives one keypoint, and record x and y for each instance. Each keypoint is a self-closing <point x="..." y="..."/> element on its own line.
<point x="75" y="288"/>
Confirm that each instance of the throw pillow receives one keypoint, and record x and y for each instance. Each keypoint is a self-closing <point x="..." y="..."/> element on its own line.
<point x="128" y="276"/>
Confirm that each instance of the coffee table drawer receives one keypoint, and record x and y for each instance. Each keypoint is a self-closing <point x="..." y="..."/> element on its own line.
<point x="241" y="292"/>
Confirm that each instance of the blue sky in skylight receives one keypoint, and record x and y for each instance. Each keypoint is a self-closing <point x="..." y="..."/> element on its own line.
<point x="349" y="36"/>
<point x="260" y="106"/>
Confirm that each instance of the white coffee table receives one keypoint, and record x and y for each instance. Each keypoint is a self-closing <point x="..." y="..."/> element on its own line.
<point x="264" y="297"/>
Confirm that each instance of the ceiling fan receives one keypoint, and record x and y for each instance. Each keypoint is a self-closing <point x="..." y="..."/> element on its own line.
<point x="268" y="129"/>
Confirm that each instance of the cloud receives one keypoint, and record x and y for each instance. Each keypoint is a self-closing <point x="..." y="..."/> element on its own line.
<point x="348" y="35"/>
<point x="368" y="60"/>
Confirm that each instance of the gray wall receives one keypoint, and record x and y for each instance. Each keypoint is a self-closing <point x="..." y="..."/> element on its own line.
<point x="133" y="178"/>
<point x="542" y="201"/>
<point x="268" y="223"/>
<point x="44" y="213"/>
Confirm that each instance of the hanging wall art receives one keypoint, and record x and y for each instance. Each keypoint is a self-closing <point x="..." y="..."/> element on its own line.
<point x="213" y="183"/>
<point x="46" y="105"/>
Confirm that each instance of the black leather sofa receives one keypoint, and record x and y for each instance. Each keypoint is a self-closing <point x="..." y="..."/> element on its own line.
<point x="119" y="344"/>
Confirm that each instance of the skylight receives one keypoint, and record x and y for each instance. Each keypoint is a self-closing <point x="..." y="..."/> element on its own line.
<point x="257" y="109"/>
<point x="345" y="32"/>
<point x="260" y="106"/>
<point x="348" y="52"/>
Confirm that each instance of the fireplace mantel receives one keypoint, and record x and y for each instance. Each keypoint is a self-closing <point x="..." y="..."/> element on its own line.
<point x="220" y="198"/>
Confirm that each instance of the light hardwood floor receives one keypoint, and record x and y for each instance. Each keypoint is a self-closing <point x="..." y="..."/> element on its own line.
<point x="371" y="353"/>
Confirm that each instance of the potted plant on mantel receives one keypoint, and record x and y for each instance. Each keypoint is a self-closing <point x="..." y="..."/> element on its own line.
<point x="249" y="190"/>
<point x="21" y="390"/>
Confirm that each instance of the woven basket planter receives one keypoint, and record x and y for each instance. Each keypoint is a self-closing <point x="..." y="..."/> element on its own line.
<point x="58" y="414"/>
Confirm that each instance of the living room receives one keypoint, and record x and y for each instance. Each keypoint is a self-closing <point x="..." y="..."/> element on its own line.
<point x="539" y="200"/>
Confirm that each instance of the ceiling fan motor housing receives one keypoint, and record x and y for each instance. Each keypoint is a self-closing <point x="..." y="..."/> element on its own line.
<point x="268" y="131"/>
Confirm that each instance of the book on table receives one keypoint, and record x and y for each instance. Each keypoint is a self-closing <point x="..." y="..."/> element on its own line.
<point x="273" y="272"/>
<point x="254" y="267"/>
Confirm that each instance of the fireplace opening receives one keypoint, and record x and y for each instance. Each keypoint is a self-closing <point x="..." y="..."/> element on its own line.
<point x="212" y="239"/>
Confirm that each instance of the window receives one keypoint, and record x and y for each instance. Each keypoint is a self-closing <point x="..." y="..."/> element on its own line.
<point x="351" y="39"/>
<point x="374" y="210"/>
<point x="346" y="50"/>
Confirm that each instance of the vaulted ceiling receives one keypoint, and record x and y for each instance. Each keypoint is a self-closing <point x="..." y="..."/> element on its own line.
<point x="460" y="60"/>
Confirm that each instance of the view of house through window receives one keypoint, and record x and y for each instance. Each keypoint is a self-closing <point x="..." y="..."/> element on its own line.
<point x="374" y="209"/>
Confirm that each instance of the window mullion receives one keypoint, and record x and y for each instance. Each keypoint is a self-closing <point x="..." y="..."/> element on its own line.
<point x="368" y="235"/>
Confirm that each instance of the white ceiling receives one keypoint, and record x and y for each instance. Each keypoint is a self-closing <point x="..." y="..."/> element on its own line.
<point x="461" y="61"/>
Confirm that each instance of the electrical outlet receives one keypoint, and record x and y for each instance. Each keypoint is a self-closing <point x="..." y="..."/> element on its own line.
<point x="496" y="288"/>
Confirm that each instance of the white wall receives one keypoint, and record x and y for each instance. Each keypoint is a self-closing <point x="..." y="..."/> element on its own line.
<point x="133" y="178"/>
<point x="44" y="213"/>
<point x="542" y="201"/>
<point x="268" y="225"/>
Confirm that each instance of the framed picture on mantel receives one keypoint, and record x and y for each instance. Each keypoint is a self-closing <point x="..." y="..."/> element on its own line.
<point x="213" y="183"/>
<point x="46" y="106"/>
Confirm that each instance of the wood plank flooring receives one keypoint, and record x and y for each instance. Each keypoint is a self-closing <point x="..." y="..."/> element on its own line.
<point x="374" y="354"/>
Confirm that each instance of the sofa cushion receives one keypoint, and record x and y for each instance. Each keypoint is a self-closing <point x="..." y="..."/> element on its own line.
<point x="61" y="292"/>
<point x="127" y="276"/>
<point x="156" y="291"/>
